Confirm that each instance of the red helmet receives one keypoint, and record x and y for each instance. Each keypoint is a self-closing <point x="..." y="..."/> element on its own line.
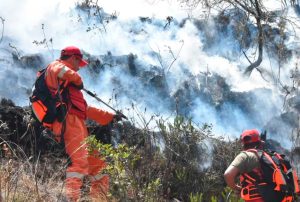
<point x="250" y="136"/>
<point x="73" y="50"/>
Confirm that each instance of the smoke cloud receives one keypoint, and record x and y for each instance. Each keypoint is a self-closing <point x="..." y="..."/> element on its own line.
<point x="168" y="58"/>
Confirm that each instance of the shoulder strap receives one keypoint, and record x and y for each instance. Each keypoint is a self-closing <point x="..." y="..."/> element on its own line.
<point x="268" y="157"/>
<point x="40" y="72"/>
<point x="257" y="152"/>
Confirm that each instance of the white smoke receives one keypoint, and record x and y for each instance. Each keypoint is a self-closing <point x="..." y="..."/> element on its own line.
<point x="175" y="49"/>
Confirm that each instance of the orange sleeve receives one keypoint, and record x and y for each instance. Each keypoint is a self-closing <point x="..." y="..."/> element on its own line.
<point x="100" y="116"/>
<point x="58" y="70"/>
<point x="67" y="74"/>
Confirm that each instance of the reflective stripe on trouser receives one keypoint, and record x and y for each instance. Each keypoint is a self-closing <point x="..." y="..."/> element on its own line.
<point x="81" y="163"/>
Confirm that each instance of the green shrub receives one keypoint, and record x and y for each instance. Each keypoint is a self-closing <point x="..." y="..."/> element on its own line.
<point x="122" y="161"/>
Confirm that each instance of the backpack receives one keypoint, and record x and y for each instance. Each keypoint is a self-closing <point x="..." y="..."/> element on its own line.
<point x="46" y="107"/>
<point x="279" y="181"/>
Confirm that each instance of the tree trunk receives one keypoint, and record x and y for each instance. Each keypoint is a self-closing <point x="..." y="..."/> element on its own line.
<point x="260" y="40"/>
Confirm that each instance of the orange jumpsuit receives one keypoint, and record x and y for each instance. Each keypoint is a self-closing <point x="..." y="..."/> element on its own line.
<point x="82" y="164"/>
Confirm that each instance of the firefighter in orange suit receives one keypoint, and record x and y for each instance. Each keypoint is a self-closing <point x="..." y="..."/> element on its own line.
<point x="254" y="187"/>
<point x="64" y="71"/>
<point x="245" y="162"/>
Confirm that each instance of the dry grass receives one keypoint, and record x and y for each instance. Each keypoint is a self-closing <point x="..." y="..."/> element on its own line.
<point x="21" y="181"/>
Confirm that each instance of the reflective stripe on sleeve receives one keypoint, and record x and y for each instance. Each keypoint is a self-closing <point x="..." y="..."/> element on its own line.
<point x="97" y="177"/>
<point x="74" y="175"/>
<point x="289" y="171"/>
<point x="62" y="72"/>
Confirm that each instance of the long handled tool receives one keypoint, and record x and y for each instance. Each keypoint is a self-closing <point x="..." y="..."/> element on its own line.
<point x="97" y="98"/>
<point x="228" y="196"/>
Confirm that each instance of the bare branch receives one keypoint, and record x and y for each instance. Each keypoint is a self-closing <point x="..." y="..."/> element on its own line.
<point x="2" y="32"/>
<point x="46" y="43"/>
<point x="175" y="57"/>
<point x="260" y="41"/>
<point x="17" y="52"/>
<point x="245" y="6"/>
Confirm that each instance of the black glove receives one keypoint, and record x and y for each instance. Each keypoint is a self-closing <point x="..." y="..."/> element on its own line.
<point x="119" y="116"/>
<point x="79" y="87"/>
